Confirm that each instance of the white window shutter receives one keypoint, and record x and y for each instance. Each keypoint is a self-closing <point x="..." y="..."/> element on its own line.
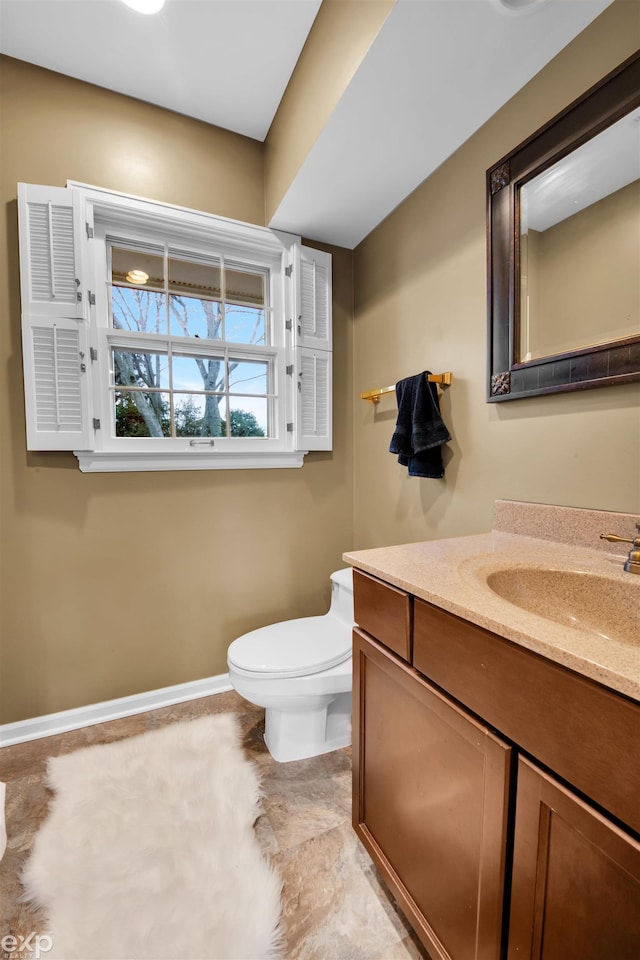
<point x="54" y="333"/>
<point x="55" y="359"/>
<point x="313" y="339"/>
<point x="50" y="281"/>
<point x="313" y="298"/>
<point x="314" y="409"/>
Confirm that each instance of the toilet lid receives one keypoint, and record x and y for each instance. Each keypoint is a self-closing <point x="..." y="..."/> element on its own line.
<point x="293" y="648"/>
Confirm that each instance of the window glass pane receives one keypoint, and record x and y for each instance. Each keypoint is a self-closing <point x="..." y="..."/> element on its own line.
<point x="140" y="414"/>
<point x="194" y="279"/>
<point x="164" y="387"/>
<point x="242" y="287"/>
<point x="198" y="373"/>
<point x="134" y="266"/>
<point x="197" y="415"/>
<point x="248" y="376"/>
<point x="189" y="317"/>
<point x="134" y="368"/>
<point x="244" y="324"/>
<point x="138" y="310"/>
<point x="249" y="417"/>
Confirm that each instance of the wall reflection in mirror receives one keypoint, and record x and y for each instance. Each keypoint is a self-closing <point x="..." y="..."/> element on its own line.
<point x="580" y="246"/>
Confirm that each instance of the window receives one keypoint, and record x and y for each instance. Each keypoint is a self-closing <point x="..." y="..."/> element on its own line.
<point x="160" y="338"/>
<point x="163" y="384"/>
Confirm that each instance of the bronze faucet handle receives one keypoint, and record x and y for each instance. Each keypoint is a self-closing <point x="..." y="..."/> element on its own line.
<point x="632" y="564"/>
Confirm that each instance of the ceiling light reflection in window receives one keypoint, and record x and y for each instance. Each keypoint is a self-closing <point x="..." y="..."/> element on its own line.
<point x="145" y="6"/>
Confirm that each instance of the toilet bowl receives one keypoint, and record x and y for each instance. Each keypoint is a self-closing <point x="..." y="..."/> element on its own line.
<point x="300" y="672"/>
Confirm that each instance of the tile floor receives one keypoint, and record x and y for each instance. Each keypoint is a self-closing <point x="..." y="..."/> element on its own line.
<point x="335" y="907"/>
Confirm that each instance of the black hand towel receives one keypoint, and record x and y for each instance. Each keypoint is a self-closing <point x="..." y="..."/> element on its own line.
<point x="420" y="431"/>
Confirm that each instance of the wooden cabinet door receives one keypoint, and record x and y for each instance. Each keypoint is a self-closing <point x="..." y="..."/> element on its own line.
<point x="576" y="878"/>
<point x="431" y="791"/>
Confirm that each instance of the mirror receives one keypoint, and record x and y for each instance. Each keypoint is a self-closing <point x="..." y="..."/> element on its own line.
<point x="563" y="224"/>
<point x="580" y="247"/>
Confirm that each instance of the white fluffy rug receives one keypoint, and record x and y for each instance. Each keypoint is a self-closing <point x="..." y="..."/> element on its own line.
<point x="149" y="851"/>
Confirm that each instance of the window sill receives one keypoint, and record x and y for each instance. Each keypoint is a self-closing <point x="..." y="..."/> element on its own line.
<point x="110" y="462"/>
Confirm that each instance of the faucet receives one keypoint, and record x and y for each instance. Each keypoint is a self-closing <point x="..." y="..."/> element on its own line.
<point x="632" y="564"/>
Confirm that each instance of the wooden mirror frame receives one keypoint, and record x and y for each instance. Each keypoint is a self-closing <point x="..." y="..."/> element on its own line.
<point x="593" y="366"/>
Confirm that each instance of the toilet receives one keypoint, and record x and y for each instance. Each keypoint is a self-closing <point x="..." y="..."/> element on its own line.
<point x="300" y="672"/>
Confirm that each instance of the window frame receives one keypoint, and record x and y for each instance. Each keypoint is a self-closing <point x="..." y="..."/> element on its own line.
<point x="105" y="336"/>
<point x="66" y="331"/>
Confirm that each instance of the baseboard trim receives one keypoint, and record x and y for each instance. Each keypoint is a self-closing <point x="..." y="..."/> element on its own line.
<point x="53" y="723"/>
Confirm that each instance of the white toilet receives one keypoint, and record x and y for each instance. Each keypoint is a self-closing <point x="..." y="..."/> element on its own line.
<point x="300" y="672"/>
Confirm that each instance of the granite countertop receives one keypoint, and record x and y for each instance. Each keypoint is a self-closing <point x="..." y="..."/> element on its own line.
<point x="452" y="574"/>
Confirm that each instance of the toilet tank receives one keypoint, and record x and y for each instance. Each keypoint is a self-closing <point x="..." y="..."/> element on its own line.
<point x="342" y="595"/>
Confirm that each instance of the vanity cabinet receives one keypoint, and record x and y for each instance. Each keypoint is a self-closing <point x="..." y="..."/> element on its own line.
<point x="576" y="877"/>
<point x="497" y="792"/>
<point x="431" y="799"/>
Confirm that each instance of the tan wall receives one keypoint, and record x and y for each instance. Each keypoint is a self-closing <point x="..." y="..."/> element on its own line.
<point x="588" y="287"/>
<point x="341" y="34"/>
<point x="420" y="303"/>
<point x="116" y="584"/>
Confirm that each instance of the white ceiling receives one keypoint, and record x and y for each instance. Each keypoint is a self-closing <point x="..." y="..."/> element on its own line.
<point x="437" y="70"/>
<point x="226" y="62"/>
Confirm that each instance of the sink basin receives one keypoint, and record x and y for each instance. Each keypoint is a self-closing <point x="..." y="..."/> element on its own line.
<point x="595" y="604"/>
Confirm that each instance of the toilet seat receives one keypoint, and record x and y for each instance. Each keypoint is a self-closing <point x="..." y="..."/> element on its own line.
<point x="292" y="648"/>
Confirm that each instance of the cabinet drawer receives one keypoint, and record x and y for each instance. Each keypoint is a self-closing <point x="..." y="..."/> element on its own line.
<point x="384" y="612"/>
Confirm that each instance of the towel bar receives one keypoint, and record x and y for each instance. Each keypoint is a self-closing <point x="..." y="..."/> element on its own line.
<point x="374" y="395"/>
